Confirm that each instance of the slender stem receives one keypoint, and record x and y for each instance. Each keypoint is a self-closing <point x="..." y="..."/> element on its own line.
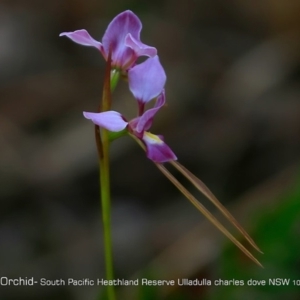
<point x="102" y="141"/>
<point x="106" y="212"/>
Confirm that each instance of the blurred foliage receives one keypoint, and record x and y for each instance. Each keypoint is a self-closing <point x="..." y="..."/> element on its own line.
<point x="275" y="233"/>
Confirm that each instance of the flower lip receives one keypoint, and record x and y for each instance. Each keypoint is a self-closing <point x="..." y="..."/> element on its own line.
<point x="156" y="149"/>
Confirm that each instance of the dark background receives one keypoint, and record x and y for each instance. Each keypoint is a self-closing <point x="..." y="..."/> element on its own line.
<point x="233" y="118"/>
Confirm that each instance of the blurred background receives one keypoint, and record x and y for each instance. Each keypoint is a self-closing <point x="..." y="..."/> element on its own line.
<point x="233" y="119"/>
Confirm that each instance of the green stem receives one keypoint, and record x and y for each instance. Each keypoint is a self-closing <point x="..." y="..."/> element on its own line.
<point x="106" y="212"/>
<point x="102" y="140"/>
<point x="114" y="78"/>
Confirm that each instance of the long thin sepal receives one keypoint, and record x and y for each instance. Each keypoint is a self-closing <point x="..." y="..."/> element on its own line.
<point x="210" y="196"/>
<point x="205" y="212"/>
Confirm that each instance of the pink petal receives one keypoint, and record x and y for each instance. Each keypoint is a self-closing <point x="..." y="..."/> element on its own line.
<point x="139" y="48"/>
<point x="157" y="149"/>
<point x="82" y="37"/>
<point x="147" y="80"/>
<point x="110" y="120"/>
<point x="124" y="24"/>
<point x="145" y="121"/>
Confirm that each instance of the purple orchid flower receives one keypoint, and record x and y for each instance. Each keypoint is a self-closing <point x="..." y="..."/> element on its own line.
<point x="121" y="46"/>
<point x="146" y="82"/>
<point x="122" y="37"/>
<point x="156" y="149"/>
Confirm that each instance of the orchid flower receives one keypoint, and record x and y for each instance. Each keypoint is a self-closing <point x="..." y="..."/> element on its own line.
<point x="121" y="46"/>
<point x="146" y="82"/>
<point x="122" y="37"/>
